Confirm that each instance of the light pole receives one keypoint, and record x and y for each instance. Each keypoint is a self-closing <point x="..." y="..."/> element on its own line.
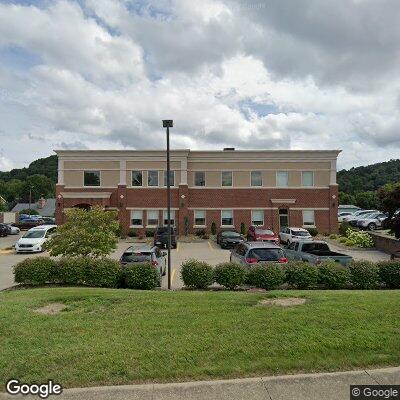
<point x="168" y="123"/>
<point x="30" y="197"/>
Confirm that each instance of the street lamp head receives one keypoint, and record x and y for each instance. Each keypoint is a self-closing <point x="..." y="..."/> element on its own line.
<point x="167" y="123"/>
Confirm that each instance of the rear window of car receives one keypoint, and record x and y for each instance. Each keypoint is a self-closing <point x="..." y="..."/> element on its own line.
<point x="300" y="233"/>
<point x="230" y="234"/>
<point x="264" y="232"/>
<point x="138" y="257"/>
<point x="263" y="254"/>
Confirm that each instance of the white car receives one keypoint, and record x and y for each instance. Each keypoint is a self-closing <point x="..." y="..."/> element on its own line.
<point x="288" y="235"/>
<point x="33" y="240"/>
<point x="358" y="215"/>
<point x="344" y="214"/>
<point x="372" y="221"/>
<point x="14" y="229"/>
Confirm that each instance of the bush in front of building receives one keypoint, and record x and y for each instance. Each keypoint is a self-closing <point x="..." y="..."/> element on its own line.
<point x="103" y="272"/>
<point x="150" y="232"/>
<point x="343" y="228"/>
<point x="141" y="276"/>
<point x="197" y="274"/>
<point x="301" y="275"/>
<point x="389" y="273"/>
<point x="200" y="232"/>
<point x="213" y="228"/>
<point x="242" y="228"/>
<point x="35" y="271"/>
<point x="312" y="231"/>
<point x="266" y="277"/>
<point x="364" y="274"/>
<point x="71" y="270"/>
<point x="132" y="232"/>
<point x="333" y="275"/>
<point x="230" y="275"/>
<point x="359" y="239"/>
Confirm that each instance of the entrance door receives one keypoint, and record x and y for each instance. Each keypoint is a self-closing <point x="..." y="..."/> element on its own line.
<point x="283" y="218"/>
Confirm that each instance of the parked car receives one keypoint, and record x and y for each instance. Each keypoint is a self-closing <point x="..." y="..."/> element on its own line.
<point x="145" y="254"/>
<point x="250" y="253"/>
<point x="3" y="230"/>
<point x="48" y="220"/>
<point x="29" y="223"/>
<point x="372" y="221"/>
<point x="34" y="239"/>
<point x="290" y="234"/>
<point x="357" y="215"/>
<point x="344" y="214"/>
<point x="314" y="252"/>
<point x="256" y="233"/>
<point x="395" y="255"/>
<point x="229" y="239"/>
<point x="14" y="230"/>
<point x="161" y="237"/>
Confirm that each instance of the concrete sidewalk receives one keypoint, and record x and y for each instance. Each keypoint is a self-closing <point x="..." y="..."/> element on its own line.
<point x="326" y="386"/>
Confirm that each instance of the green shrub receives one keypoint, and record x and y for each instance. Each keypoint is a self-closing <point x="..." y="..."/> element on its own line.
<point x="360" y="239"/>
<point x="349" y="242"/>
<point x="206" y="237"/>
<point x="197" y="274"/>
<point x="389" y="273"/>
<point x="242" y="228"/>
<point x="230" y="275"/>
<point x="313" y="231"/>
<point x="301" y="274"/>
<point x="200" y="232"/>
<point x="141" y="276"/>
<point x="150" y="233"/>
<point x="333" y="236"/>
<point x="344" y="227"/>
<point x="342" y="239"/>
<point x="103" y="272"/>
<point x="35" y="271"/>
<point x="364" y="274"/>
<point x="333" y="275"/>
<point x="71" y="270"/>
<point x="132" y="232"/>
<point x="266" y="276"/>
<point x="213" y="228"/>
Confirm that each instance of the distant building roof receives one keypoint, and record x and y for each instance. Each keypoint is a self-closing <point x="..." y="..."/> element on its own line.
<point x="48" y="209"/>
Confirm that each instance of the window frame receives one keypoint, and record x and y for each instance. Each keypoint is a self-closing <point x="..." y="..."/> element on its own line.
<point x="251" y="179"/>
<point x="165" y="178"/>
<point x="148" y="178"/>
<point x="148" y="225"/>
<point x="141" y="174"/>
<point x="222" y="178"/>
<point x="194" y="219"/>
<point x="204" y="178"/>
<point x="277" y="180"/>
<point x="92" y="171"/>
<point x="308" y="225"/>
<point x="302" y="178"/>
<point x="232" y="217"/>
<point x="253" y="220"/>
<point x="165" y="221"/>
<point x="131" y="219"/>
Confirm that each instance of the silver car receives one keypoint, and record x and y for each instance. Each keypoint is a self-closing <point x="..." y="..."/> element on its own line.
<point x="372" y="221"/>
<point x="145" y="254"/>
<point x="251" y="253"/>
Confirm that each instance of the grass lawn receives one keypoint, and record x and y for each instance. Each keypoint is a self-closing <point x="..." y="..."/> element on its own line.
<point x="107" y="337"/>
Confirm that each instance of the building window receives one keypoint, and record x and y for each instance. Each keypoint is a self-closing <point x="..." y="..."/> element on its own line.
<point x="137" y="218"/>
<point x="199" y="178"/>
<point x="283" y="217"/>
<point x="282" y="178"/>
<point x="227" y="218"/>
<point x="307" y="178"/>
<point x="226" y="178"/>
<point x="257" y="217"/>
<point x="256" y="178"/>
<point x="171" y="178"/>
<point x="308" y="218"/>
<point x="166" y="218"/>
<point x="91" y="178"/>
<point x="137" y="178"/>
<point x="152" y="218"/>
<point x="200" y="218"/>
<point x="152" y="178"/>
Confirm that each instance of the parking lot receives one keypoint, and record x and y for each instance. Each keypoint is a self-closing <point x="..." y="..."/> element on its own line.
<point x="206" y="250"/>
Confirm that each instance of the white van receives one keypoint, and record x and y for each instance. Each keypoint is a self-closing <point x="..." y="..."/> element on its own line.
<point x="33" y="240"/>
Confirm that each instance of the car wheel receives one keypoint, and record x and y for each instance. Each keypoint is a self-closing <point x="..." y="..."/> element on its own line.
<point x="372" y="226"/>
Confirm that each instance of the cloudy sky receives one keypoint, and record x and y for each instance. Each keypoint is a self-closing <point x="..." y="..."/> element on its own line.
<point x="273" y="74"/>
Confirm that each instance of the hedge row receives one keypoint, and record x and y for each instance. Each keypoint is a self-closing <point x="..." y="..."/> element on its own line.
<point x="103" y="272"/>
<point x="296" y="274"/>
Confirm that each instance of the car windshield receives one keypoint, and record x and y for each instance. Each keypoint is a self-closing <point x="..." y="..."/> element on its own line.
<point x="136" y="257"/>
<point x="34" y="235"/>
<point x="300" y="233"/>
<point x="230" y="234"/>
<point x="264" y="254"/>
<point x="264" y="232"/>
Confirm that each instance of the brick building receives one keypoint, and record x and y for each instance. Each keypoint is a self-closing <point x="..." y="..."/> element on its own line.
<point x="271" y="188"/>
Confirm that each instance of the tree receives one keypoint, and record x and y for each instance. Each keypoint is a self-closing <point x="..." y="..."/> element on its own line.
<point x="11" y="190"/>
<point x="86" y="233"/>
<point x="29" y="211"/>
<point x="389" y="196"/>
<point x="367" y="200"/>
<point x="41" y="185"/>
<point x="345" y="198"/>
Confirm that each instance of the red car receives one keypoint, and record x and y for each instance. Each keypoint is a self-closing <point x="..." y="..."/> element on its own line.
<point x="259" y="234"/>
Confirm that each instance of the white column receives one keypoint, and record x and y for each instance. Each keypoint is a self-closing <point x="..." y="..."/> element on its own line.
<point x="60" y="171"/>
<point x="184" y="171"/>
<point x="122" y="172"/>
<point x="333" y="172"/>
